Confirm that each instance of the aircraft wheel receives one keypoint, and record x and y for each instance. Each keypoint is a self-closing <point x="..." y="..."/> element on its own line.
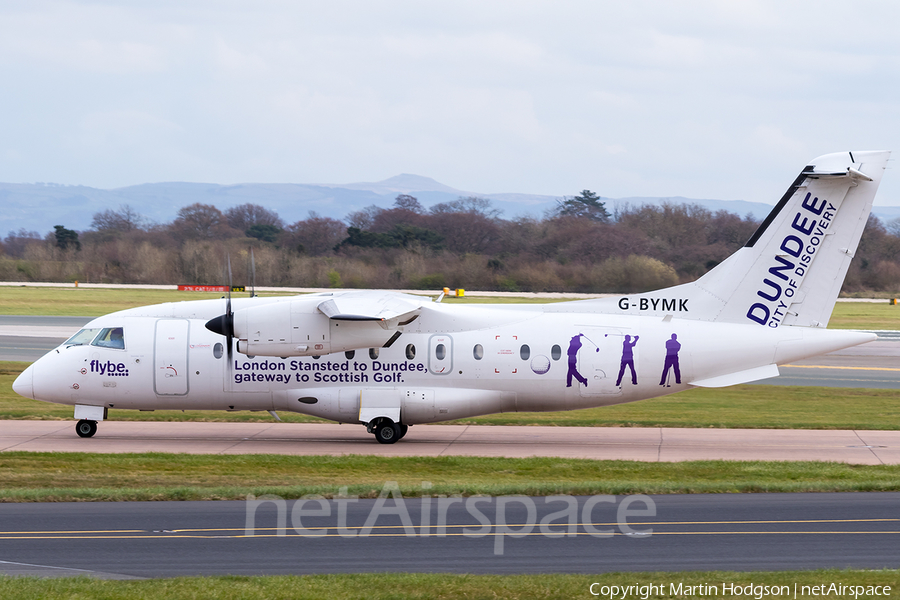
<point x="85" y="428"/>
<point x="403" y="430"/>
<point x="387" y="432"/>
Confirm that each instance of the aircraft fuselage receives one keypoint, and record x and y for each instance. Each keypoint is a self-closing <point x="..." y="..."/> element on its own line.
<point x="488" y="359"/>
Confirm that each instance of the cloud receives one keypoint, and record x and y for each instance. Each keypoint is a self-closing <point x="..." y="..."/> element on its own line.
<point x="769" y="138"/>
<point x="636" y="98"/>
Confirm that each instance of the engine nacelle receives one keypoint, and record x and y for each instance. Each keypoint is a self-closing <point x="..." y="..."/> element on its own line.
<point x="298" y="328"/>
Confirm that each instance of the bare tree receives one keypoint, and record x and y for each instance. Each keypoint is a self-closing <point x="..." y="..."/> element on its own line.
<point x="245" y="216"/>
<point x="472" y="205"/>
<point x="16" y="243"/>
<point x="364" y="219"/>
<point x="201" y="222"/>
<point x="407" y="212"/>
<point x="316" y="235"/>
<point x="410" y="203"/>
<point x="124" y="220"/>
<point x="893" y="227"/>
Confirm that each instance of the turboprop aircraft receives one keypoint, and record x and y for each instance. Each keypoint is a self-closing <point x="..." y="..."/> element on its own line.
<point x="389" y="360"/>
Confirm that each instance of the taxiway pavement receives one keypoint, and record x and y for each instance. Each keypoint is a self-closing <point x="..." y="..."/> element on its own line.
<point x="27" y="338"/>
<point x="739" y="532"/>
<point x="652" y="444"/>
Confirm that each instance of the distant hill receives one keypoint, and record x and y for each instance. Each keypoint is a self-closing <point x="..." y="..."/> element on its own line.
<point x="38" y="207"/>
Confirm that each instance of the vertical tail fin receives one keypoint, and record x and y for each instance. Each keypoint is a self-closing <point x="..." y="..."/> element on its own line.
<point x="791" y="271"/>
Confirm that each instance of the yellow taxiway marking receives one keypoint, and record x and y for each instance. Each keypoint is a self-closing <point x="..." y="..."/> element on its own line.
<point x="844" y="368"/>
<point x="473" y="534"/>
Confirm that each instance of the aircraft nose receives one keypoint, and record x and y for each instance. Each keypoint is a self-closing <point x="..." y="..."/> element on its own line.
<point x="24" y="383"/>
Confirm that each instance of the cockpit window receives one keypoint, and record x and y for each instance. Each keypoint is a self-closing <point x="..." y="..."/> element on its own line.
<point x="82" y="338"/>
<point x="111" y="337"/>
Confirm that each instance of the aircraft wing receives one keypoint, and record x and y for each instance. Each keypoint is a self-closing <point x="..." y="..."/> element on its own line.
<point x="371" y="306"/>
<point x="319" y="324"/>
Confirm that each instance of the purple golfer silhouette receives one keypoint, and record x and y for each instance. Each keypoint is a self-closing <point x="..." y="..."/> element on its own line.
<point x="672" y="348"/>
<point x="574" y="347"/>
<point x="628" y="359"/>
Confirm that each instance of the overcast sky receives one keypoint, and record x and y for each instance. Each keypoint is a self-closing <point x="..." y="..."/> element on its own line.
<point x="721" y="99"/>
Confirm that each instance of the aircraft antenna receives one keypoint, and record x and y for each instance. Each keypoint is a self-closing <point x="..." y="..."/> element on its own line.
<point x="252" y="274"/>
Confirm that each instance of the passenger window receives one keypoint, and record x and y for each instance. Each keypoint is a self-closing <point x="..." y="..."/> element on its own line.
<point x="218" y="349"/>
<point x="111" y="337"/>
<point x="555" y="352"/>
<point x="478" y="352"/>
<point x="524" y="352"/>
<point x="373" y="353"/>
<point x="350" y="354"/>
<point x="410" y="351"/>
<point x="440" y="351"/>
<point x="82" y="338"/>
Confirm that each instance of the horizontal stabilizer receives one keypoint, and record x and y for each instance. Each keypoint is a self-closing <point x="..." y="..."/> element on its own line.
<point x="754" y="374"/>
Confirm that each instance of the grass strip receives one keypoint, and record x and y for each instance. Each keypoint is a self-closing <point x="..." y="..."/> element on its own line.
<point x="85" y="302"/>
<point x="418" y="586"/>
<point x="64" y="477"/>
<point x="875" y="316"/>
<point x="743" y="406"/>
<point x="93" y="302"/>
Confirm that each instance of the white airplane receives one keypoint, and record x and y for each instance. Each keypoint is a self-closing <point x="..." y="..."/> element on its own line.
<point x="389" y="360"/>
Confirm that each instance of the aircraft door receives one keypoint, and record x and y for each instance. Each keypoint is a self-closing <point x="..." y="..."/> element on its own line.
<point x="599" y="358"/>
<point x="440" y="354"/>
<point x="170" y="357"/>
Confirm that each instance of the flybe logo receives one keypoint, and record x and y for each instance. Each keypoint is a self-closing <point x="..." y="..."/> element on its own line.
<point x="797" y="250"/>
<point x="109" y="368"/>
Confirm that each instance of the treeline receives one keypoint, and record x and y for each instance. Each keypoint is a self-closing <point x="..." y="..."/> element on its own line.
<point x="579" y="247"/>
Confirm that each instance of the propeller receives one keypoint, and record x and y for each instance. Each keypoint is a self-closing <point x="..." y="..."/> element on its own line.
<point x="224" y="324"/>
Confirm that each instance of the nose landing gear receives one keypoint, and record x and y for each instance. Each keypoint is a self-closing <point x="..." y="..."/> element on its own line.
<point x="88" y="416"/>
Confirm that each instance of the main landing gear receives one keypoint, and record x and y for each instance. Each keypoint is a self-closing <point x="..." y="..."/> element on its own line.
<point x="85" y="428"/>
<point x="386" y="431"/>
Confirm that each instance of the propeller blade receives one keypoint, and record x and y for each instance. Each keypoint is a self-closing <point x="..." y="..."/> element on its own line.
<point x="229" y="317"/>
<point x="228" y="290"/>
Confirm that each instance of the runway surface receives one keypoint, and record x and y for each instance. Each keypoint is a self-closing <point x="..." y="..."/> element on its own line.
<point x="27" y="338"/>
<point x="650" y="444"/>
<point x="739" y="532"/>
<point x="872" y="365"/>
